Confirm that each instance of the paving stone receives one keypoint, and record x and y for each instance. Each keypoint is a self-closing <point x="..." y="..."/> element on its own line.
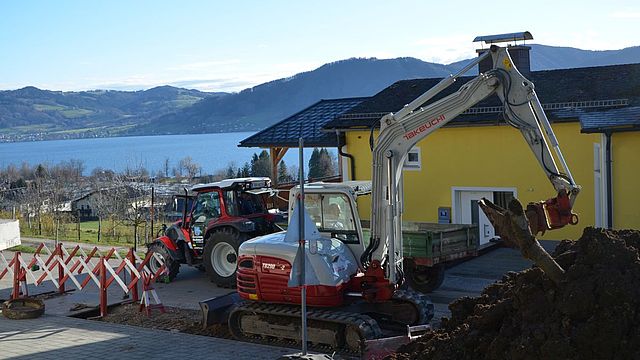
<point x="55" y="337"/>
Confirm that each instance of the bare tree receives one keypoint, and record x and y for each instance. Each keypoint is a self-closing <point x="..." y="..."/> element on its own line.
<point x="58" y="194"/>
<point x="103" y="203"/>
<point x="132" y="200"/>
<point x="189" y="167"/>
<point x="166" y="167"/>
<point x="37" y="198"/>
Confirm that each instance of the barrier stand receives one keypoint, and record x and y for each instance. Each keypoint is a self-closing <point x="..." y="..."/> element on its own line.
<point x="101" y="273"/>
<point x="145" y="302"/>
<point x="148" y="278"/>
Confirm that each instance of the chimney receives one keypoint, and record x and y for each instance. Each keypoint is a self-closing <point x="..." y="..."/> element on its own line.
<point x="519" y="53"/>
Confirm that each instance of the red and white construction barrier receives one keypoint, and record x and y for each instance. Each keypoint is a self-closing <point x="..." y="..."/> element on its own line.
<point x="60" y="266"/>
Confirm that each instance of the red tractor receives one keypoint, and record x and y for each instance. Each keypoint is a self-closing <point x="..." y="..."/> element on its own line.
<point x="223" y="215"/>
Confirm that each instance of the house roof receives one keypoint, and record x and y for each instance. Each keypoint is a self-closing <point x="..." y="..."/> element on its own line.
<point x="307" y="123"/>
<point x="624" y="119"/>
<point x="561" y="92"/>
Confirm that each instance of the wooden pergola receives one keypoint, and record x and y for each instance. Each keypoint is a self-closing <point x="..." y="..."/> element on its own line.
<point x="308" y="124"/>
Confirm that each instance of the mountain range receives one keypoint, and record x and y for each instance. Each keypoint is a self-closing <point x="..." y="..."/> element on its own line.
<point x="34" y="114"/>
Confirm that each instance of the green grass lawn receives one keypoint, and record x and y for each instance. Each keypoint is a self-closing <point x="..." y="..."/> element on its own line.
<point x="115" y="234"/>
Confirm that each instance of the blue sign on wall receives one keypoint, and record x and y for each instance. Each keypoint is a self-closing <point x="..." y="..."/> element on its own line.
<point x="444" y="215"/>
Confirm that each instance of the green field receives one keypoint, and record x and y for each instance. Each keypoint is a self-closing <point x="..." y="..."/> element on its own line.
<point x="75" y="113"/>
<point x="113" y="233"/>
<point x="46" y="107"/>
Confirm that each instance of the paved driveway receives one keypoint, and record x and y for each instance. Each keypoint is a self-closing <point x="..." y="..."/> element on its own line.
<point x="58" y="337"/>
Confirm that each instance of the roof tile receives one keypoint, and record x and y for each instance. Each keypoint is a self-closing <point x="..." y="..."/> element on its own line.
<point x="307" y="123"/>
<point x="552" y="86"/>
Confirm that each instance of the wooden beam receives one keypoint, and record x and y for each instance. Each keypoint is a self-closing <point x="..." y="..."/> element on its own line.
<point x="276" y="154"/>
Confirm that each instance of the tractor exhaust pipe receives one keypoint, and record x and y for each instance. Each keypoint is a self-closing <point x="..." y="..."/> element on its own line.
<point x="184" y="209"/>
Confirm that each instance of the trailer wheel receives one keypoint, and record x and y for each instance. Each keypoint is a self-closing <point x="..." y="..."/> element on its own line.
<point x="172" y="266"/>
<point x="220" y="256"/>
<point x="23" y="308"/>
<point x="424" y="278"/>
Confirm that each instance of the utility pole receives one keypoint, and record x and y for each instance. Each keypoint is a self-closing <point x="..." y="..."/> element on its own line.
<point x="153" y="180"/>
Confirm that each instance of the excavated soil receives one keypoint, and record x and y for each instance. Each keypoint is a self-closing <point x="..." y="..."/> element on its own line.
<point x="174" y="319"/>
<point x="593" y="314"/>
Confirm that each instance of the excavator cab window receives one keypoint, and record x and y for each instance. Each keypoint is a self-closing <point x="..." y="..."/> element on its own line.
<point x="332" y="215"/>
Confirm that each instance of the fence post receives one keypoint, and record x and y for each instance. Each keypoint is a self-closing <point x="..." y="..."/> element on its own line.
<point x="103" y="287"/>
<point x="15" y="293"/>
<point x="78" y="214"/>
<point x="134" y="278"/>
<point x="61" y="288"/>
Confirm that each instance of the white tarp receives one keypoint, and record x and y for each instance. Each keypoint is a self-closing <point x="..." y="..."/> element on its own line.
<point x="327" y="261"/>
<point x="9" y="234"/>
<point x="311" y="236"/>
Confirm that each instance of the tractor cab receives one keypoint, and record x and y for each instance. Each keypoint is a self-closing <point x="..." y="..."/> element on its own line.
<point x="238" y="203"/>
<point x="223" y="215"/>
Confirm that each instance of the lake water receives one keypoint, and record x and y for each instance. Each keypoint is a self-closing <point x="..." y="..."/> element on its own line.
<point x="211" y="151"/>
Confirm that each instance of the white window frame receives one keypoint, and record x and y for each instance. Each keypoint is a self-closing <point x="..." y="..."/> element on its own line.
<point x="456" y="202"/>
<point x="413" y="165"/>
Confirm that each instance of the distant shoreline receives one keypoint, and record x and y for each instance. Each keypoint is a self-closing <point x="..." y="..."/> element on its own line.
<point x="35" y="139"/>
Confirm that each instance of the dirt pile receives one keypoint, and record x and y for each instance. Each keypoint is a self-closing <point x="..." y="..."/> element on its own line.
<point x="594" y="313"/>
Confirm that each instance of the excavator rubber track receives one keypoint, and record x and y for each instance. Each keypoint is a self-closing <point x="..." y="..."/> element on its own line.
<point x="423" y="307"/>
<point x="327" y="329"/>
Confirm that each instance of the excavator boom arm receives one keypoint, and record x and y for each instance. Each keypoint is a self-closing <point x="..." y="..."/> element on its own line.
<point x="399" y="132"/>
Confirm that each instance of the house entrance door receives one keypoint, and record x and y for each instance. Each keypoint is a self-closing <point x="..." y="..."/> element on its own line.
<point x="471" y="213"/>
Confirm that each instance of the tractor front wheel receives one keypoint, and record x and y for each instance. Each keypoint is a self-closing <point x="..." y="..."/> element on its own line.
<point x="220" y="256"/>
<point x="171" y="266"/>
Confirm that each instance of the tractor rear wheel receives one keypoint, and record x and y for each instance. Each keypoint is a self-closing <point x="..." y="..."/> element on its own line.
<point x="171" y="266"/>
<point x="424" y="279"/>
<point x="220" y="255"/>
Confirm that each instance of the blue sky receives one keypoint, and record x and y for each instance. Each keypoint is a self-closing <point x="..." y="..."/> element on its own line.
<point x="231" y="45"/>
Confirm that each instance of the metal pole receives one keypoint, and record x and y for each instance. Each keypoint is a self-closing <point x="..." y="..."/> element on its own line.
<point x="302" y="245"/>
<point x="153" y="180"/>
<point x="78" y="212"/>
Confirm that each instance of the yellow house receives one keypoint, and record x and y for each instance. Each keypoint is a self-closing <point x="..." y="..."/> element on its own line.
<point x="595" y="113"/>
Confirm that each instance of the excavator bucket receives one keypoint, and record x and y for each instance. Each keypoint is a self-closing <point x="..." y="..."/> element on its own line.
<point x="551" y="214"/>
<point x="216" y="310"/>
<point x="383" y="347"/>
<point x="545" y="215"/>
